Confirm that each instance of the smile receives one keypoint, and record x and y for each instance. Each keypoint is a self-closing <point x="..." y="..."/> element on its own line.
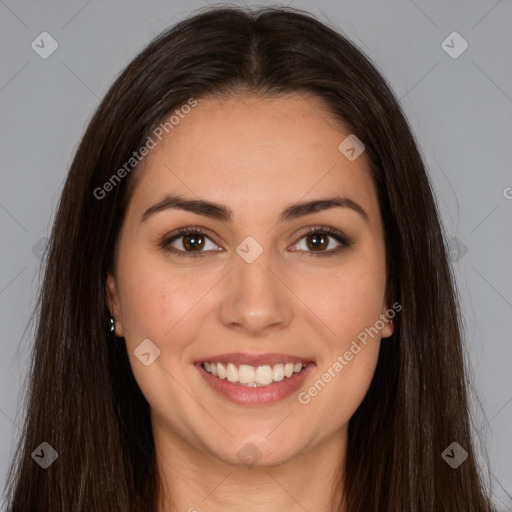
<point x="253" y="376"/>
<point x="254" y="380"/>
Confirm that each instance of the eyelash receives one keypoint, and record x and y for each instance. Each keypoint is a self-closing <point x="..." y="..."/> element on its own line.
<point x="344" y="241"/>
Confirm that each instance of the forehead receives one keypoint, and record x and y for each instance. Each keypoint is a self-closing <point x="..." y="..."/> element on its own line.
<point x="254" y="151"/>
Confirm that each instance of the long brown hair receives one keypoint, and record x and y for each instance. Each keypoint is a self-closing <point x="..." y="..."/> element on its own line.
<point x="82" y="397"/>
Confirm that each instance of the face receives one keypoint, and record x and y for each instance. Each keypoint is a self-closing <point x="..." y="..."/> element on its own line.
<point x="252" y="290"/>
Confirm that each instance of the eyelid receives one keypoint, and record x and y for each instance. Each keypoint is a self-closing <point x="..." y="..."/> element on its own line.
<point x="168" y="239"/>
<point x="319" y="228"/>
<point x="339" y="236"/>
<point x="343" y="240"/>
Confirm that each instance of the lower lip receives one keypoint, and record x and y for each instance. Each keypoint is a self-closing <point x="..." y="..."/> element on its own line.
<point x="261" y="395"/>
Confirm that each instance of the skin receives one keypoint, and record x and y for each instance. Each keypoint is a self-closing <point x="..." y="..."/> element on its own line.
<point x="256" y="157"/>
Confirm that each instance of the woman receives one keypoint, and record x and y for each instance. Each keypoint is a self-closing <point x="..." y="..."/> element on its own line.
<point x="247" y="300"/>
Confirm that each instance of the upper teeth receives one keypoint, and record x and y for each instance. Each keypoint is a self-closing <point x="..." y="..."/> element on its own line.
<point x="253" y="376"/>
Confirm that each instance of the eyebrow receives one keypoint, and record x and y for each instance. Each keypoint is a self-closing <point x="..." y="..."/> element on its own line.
<point x="223" y="213"/>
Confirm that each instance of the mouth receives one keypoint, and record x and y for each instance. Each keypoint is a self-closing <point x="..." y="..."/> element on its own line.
<point x="254" y="380"/>
<point x="253" y="376"/>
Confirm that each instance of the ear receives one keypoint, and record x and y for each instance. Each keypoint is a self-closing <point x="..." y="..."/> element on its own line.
<point x="389" y="327"/>
<point x="113" y="304"/>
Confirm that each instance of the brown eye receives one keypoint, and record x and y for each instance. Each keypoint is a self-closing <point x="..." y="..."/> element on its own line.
<point x="317" y="241"/>
<point x="319" y="238"/>
<point x="189" y="242"/>
<point x="193" y="242"/>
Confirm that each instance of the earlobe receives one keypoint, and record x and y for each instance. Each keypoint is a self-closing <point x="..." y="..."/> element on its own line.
<point x="113" y="304"/>
<point x="389" y="327"/>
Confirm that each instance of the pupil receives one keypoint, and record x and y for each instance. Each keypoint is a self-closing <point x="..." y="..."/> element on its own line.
<point x="193" y="242"/>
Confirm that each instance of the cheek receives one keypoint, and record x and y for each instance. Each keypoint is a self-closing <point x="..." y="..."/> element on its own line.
<point x="350" y="303"/>
<point x="349" y="300"/>
<point x="152" y="300"/>
<point x="350" y="306"/>
<point x="160" y="305"/>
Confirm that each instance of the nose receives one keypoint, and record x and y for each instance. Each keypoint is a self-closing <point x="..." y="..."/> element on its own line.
<point x="255" y="298"/>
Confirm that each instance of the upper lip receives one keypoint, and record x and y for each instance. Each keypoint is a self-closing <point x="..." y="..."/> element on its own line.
<point x="253" y="359"/>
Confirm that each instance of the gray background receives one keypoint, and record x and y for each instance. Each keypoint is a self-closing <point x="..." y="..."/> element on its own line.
<point x="459" y="109"/>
